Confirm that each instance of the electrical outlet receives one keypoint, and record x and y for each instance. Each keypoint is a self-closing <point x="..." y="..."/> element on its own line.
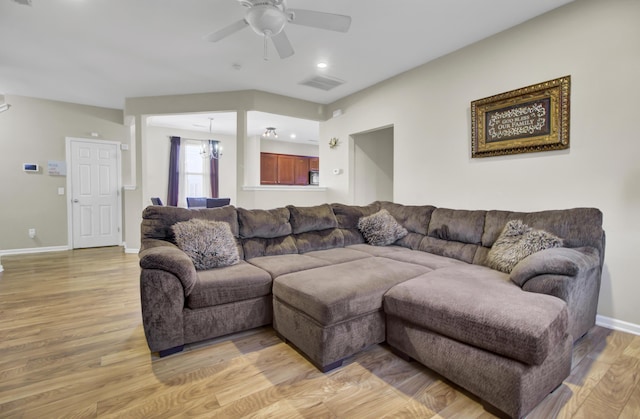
<point x="32" y="232"/>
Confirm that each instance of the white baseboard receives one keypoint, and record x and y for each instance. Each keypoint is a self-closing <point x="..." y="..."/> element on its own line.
<point x="620" y="325"/>
<point x="33" y="250"/>
<point x="130" y="250"/>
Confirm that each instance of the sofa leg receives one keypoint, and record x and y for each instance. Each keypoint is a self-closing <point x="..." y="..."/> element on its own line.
<point x="401" y="354"/>
<point x="329" y="367"/>
<point x="170" y="351"/>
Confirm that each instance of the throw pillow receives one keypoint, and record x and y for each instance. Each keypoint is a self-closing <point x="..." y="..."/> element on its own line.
<point x="209" y="244"/>
<point x="381" y="229"/>
<point x="516" y="242"/>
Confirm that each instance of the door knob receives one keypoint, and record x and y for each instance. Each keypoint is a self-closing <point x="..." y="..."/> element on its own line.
<point x="75" y="201"/>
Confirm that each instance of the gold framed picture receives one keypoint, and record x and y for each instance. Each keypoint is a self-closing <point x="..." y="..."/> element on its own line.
<point x="531" y="119"/>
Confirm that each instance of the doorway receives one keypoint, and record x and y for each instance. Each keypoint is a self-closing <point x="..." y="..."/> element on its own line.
<point x="93" y="190"/>
<point x="373" y="166"/>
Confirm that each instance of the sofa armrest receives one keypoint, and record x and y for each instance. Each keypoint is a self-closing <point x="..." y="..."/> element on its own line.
<point x="168" y="257"/>
<point x="555" y="261"/>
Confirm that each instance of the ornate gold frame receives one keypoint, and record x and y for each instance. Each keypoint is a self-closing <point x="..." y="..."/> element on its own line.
<point x="531" y="119"/>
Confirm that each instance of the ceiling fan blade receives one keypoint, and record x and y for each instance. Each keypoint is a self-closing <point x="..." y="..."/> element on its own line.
<point x="282" y="44"/>
<point x="226" y="31"/>
<point x="321" y="20"/>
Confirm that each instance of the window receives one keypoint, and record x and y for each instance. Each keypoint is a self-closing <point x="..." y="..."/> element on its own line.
<point x="194" y="172"/>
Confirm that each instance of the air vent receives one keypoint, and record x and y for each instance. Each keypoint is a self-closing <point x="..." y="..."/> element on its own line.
<point x="322" y="82"/>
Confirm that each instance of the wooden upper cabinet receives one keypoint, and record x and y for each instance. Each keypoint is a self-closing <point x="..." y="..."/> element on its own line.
<point x="314" y="163"/>
<point x="268" y="169"/>
<point x="286" y="169"/>
<point x="301" y="171"/>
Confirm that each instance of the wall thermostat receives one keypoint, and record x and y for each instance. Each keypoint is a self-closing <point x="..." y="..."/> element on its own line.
<point x="30" y="167"/>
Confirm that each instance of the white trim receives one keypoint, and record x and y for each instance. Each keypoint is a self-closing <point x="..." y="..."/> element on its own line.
<point x="33" y="250"/>
<point x="619" y="325"/>
<point x="129" y="250"/>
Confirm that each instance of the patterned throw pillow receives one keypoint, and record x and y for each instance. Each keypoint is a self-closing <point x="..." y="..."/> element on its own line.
<point x="210" y="244"/>
<point x="516" y="242"/>
<point x="381" y="229"/>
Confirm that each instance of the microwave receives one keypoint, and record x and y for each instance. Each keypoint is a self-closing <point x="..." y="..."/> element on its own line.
<point x="314" y="177"/>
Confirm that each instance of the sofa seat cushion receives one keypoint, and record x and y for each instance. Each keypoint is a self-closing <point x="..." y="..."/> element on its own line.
<point x="338" y="255"/>
<point x="378" y="250"/>
<point x="335" y="293"/>
<point x="284" y="264"/>
<point x="423" y="258"/>
<point x="229" y="284"/>
<point x="482" y="307"/>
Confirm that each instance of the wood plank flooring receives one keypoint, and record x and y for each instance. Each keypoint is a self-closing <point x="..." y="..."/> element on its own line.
<point x="72" y="346"/>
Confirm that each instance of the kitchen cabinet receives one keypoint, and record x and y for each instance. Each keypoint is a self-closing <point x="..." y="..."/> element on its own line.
<point x="285" y="169"/>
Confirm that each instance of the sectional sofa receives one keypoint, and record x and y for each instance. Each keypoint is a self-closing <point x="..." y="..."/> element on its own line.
<point x="492" y="300"/>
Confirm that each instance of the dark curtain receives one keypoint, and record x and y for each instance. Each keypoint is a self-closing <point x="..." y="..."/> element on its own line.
<point x="213" y="170"/>
<point x="174" y="172"/>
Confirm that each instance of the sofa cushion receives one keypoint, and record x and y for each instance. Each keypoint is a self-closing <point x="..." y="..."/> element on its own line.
<point x="209" y="244"/>
<point x="339" y="292"/>
<point x="481" y="307"/>
<point x="319" y="240"/>
<point x="256" y="247"/>
<point x="348" y="217"/>
<point x="415" y="218"/>
<point x="158" y="220"/>
<point x="457" y="225"/>
<point x="338" y="255"/>
<point x="418" y="257"/>
<point x="319" y="217"/>
<point x="264" y="223"/>
<point x="229" y="284"/>
<point x="578" y="227"/>
<point x="516" y="242"/>
<point x="451" y="249"/>
<point x="381" y="229"/>
<point x="284" y="264"/>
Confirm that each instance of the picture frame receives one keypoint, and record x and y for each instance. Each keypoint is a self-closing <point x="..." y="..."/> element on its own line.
<point x="526" y="120"/>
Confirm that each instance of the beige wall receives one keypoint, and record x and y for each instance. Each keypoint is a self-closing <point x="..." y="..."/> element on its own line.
<point x="34" y="131"/>
<point x="598" y="44"/>
<point x="372" y="166"/>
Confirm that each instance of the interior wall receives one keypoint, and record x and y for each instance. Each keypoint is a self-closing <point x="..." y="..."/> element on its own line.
<point x="373" y="166"/>
<point x="34" y="131"/>
<point x="156" y="162"/>
<point x="595" y="42"/>
<point x="287" y="147"/>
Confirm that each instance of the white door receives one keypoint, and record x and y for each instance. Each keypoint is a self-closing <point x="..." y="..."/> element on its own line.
<point x="94" y="191"/>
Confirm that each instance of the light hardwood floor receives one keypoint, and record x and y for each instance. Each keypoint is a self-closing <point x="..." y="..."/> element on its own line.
<point x="72" y="345"/>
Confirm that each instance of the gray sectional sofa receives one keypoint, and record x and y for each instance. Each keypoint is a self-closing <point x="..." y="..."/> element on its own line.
<point x="431" y="295"/>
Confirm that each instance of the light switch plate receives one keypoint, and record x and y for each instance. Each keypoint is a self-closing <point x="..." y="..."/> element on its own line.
<point x="61" y="191"/>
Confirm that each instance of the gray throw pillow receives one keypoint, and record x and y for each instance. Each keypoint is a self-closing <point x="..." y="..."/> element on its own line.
<point x="516" y="242"/>
<point x="381" y="229"/>
<point x="210" y="244"/>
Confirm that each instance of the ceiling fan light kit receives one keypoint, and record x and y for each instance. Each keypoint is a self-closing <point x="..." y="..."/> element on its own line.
<point x="269" y="17"/>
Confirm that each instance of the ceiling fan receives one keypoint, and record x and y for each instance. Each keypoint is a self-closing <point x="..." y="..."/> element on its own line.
<point x="269" y="17"/>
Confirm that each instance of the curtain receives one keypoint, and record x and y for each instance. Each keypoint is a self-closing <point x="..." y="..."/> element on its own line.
<point x="174" y="172"/>
<point x="213" y="170"/>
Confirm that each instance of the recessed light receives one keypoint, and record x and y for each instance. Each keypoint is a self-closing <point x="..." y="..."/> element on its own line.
<point x="292" y="136"/>
<point x="322" y="65"/>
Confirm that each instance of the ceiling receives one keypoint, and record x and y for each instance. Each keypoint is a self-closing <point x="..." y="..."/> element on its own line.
<point x="99" y="52"/>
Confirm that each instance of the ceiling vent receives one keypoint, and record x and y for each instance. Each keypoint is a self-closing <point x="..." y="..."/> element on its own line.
<point x="322" y="82"/>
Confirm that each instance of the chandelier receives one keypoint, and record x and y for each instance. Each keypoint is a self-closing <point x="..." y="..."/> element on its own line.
<point x="211" y="149"/>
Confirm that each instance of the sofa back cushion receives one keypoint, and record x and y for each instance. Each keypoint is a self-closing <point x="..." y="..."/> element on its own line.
<point x="577" y="227"/>
<point x="266" y="232"/>
<point x="415" y="218"/>
<point x="454" y="233"/>
<point x="158" y="220"/>
<point x="348" y="217"/>
<point x="264" y="224"/>
<point x="315" y="228"/>
<point x="319" y="217"/>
